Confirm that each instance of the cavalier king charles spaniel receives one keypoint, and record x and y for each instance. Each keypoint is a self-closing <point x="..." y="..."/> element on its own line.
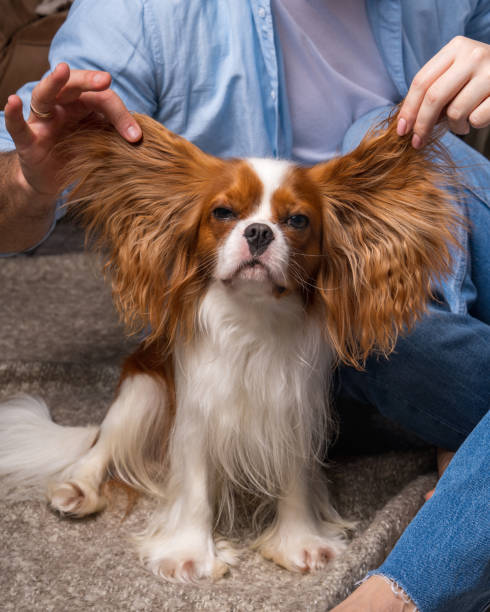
<point x="251" y="279"/>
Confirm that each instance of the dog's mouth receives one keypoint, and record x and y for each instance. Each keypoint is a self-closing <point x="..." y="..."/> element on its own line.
<point x="255" y="271"/>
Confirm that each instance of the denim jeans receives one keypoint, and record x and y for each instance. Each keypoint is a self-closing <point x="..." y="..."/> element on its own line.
<point x="437" y="385"/>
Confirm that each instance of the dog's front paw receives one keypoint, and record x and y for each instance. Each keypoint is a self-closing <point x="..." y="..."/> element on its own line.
<point x="300" y="551"/>
<point x="186" y="559"/>
<point x="75" y="498"/>
<point x="187" y="566"/>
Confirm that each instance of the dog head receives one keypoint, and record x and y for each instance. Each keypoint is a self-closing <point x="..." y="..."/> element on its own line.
<point x="359" y="238"/>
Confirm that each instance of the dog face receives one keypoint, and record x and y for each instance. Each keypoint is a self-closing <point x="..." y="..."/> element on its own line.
<point x="359" y="238"/>
<point x="266" y="235"/>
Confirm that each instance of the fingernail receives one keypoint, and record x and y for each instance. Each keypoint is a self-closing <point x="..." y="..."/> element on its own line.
<point x="98" y="79"/>
<point x="401" y="127"/>
<point x="10" y="100"/>
<point x="134" y="133"/>
<point x="416" y="141"/>
<point x="57" y="68"/>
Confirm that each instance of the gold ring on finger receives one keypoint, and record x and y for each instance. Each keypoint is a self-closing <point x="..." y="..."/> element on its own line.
<point x="40" y="115"/>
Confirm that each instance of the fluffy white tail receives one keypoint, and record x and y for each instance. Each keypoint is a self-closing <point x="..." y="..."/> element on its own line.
<point x="33" y="449"/>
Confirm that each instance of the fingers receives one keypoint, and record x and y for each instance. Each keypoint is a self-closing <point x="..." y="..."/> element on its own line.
<point x="16" y="124"/>
<point x="455" y="82"/>
<point x="465" y="104"/>
<point x="65" y="91"/>
<point x="63" y="86"/>
<point x="83" y="81"/>
<point x="437" y="97"/>
<point x="44" y="94"/>
<point x="443" y="459"/>
<point x="67" y="88"/>
<point x="480" y="117"/>
<point x="470" y="106"/>
<point x="420" y="84"/>
<point x="110" y="105"/>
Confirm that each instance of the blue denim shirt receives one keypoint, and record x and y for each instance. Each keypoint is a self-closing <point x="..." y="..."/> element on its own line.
<point x="211" y="71"/>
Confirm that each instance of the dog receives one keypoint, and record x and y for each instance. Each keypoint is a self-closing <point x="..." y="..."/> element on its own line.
<point x="251" y="280"/>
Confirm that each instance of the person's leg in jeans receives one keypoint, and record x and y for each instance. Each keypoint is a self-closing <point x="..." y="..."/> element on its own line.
<point x="452" y="531"/>
<point x="437" y="384"/>
<point x="442" y="560"/>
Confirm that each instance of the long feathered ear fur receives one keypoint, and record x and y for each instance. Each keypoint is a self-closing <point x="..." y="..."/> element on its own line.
<point x="142" y="203"/>
<point x="388" y="226"/>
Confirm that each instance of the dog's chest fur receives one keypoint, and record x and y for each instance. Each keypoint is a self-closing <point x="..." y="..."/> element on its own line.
<point x="255" y="381"/>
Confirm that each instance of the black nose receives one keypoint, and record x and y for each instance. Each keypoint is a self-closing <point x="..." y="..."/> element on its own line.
<point x="258" y="236"/>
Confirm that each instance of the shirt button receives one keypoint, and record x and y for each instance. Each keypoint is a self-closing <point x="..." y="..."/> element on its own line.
<point x="261" y="12"/>
<point x="273" y="94"/>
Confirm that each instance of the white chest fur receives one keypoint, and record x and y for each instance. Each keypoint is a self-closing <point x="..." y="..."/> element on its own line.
<point x="254" y="384"/>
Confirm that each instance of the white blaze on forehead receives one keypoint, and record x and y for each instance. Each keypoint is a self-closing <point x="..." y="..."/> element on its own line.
<point x="235" y="250"/>
<point x="271" y="173"/>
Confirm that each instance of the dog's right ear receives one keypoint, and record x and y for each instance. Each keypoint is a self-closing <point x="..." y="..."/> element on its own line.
<point x="142" y="203"/>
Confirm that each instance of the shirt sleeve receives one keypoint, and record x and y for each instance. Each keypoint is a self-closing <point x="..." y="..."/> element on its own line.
<point x="118" y="36"/>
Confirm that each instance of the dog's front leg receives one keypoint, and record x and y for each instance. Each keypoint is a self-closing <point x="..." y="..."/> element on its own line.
<point x="307" y="532"/>
<point x="178" y="544"/>
<point x="140" y="405"/>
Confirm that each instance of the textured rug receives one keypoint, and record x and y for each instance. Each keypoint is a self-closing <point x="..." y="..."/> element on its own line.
<point x="60" y="339"/>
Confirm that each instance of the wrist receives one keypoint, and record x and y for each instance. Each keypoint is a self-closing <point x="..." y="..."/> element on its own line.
<point x="26" y="216"/>
<point x="36" y="201"/>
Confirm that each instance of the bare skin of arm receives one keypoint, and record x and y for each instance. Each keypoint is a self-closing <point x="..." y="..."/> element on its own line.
<point x="22" y="224"/>
<point x="28" y="187"/>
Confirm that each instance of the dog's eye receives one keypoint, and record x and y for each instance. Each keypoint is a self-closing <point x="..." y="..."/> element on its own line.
<point x="298" y="221"/>
<point x="223" y="214"/>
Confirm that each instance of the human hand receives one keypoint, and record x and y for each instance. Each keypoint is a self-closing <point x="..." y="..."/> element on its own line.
<point x="455" y="82"/>
<point x="66" y="97"/>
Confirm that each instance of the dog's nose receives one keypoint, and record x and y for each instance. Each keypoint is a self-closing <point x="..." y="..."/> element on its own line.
<point x="258" y="236"/>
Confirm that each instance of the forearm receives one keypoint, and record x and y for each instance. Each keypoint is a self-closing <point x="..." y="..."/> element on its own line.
<point x="25" y="215"/>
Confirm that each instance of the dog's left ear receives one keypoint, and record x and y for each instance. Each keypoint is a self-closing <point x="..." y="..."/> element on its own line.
<point x="388" y="223"/>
